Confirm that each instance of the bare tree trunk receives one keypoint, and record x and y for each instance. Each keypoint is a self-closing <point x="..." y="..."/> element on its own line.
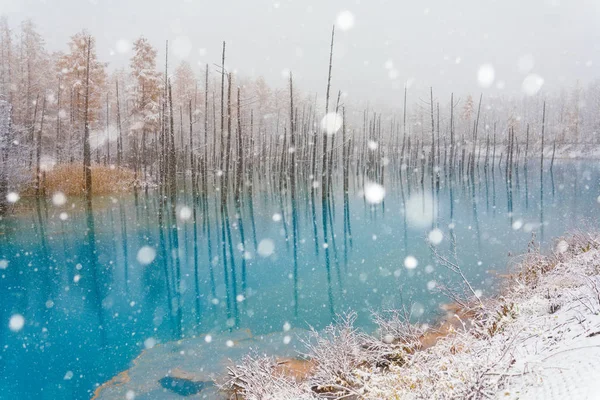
<point x="542" y="150"/>
<point x="58" y="139"/>
<point x="451" y="131"/>
<point x="87" y="161"/>
<point x="172" y="160"/>
<point x="225" y="180"/>
<point x="205" y="133"/>
<point x="325" y="138"/>
<point x="32" y="131"/>
<point x="192" y="163"/>
<point x="526" y="145"/>
<point x="475" y="134"/>
<point x="38" y="155"/>
<point x="240" y="160"/>
<point x="403" y="130"/>
<point x="119" y="132"/>
<point x="432" y="129"/>
<point x="107" y="132"/>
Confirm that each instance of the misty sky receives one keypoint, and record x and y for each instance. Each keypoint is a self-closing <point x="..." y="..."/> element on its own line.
<point x="439" y="43"/>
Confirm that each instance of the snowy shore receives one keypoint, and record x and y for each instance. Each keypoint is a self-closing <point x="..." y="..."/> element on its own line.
<point x="539" y="340"/>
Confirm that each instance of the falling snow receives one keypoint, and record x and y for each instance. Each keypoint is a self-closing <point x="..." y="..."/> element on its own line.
<point x="345" y="20"/>
<point x="374" y="192"/>
<point x="146" y="255"/>
<point x="12" y="197"/>
<point x="16" y="322"/>
<point x="486" y="75"/>
<point x="435" y="236"/>
<point x="331" y="123"/>
<point x="410" y="262"/>
<point x="59" y="199"/>
<point x="266" y="247"/>
<point x="532" y="84"/>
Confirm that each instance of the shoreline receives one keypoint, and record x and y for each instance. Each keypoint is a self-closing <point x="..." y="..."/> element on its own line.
<point x="113" y="179"/>
<point x="550" y="309"/>
<point x="493" y="348"/>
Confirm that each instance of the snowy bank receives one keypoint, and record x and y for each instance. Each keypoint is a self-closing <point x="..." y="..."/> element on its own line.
<point x="539" y="339"/>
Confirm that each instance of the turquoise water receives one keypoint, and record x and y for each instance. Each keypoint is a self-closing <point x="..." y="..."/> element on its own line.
<point x="91" y="302"/>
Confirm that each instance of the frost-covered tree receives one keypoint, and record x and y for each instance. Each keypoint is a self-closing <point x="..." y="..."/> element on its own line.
<point x="184" y="85"/>
<point x="73" y="66"/>
<point x="144" y="96"/>
<point x="33" y="62"/>
<point x="573" y="115"/>
<point x="5" y="142"/>
<point x="6" y="60"/>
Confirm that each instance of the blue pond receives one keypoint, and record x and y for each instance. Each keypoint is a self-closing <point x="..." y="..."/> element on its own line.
<point x="94" y="288"/>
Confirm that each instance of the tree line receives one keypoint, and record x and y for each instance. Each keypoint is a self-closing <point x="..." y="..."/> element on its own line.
<point x="165" y="122"/>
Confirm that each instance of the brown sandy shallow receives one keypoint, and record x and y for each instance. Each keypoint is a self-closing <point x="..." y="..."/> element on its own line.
<point x="196" y="361"/>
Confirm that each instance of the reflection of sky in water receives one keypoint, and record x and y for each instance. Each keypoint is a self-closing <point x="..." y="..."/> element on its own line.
<point x="93" y="321"/>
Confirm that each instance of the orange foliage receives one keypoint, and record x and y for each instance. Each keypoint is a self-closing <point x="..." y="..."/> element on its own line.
<point x="68" y="179"/>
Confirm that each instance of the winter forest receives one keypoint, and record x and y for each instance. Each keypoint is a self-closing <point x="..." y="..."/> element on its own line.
<point x="180" y="229"/>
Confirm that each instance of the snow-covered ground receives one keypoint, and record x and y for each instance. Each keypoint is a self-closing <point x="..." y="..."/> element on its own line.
<point x="540" y="340"/>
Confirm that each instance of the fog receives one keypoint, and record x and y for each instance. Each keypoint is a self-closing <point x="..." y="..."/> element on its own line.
<point x="437" y="43"/>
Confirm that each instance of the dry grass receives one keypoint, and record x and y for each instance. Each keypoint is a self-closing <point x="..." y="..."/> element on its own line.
<point x="68" y="179"/>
